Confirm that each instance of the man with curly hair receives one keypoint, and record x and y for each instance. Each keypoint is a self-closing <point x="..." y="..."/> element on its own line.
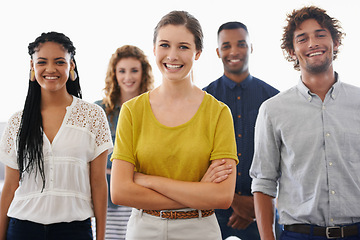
<point x="307" y="140"/>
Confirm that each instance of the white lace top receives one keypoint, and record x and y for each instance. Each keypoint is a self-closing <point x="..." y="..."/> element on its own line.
<point x="83" y="135"/>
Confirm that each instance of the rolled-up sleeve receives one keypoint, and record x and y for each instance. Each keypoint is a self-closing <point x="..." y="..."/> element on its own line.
<point x="265" y="166"/>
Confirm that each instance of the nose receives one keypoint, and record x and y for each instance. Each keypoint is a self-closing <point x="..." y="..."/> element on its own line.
<point x="50" y="68"/>
<point x="172" y="54"/>
<point x="313" y="42"/>
<point x="127" y="75"/>
<point x="234" y="51"/>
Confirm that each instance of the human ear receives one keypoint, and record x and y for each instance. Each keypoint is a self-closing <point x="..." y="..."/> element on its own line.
<point x="197" y="55"/>
<point x="336" y="46"/>
<point x="218" y="52"/>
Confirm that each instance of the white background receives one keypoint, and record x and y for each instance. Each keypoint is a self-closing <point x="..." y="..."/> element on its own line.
<point x="97" y="28"/>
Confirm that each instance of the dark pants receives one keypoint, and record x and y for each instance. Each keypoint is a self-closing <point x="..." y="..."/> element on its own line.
<point x="76" y="230"/>
<point x="250" y="233"/>
<point x="287" y="235"/>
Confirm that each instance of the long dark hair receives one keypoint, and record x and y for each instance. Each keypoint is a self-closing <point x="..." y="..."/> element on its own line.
<point x="30" y="137"/>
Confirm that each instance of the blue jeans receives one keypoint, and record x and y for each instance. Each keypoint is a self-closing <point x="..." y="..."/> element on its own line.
<point x="22" y="229"/>
<point x="287" y="235"/>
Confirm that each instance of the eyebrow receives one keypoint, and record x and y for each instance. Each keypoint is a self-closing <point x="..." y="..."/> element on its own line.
<point x="166" y="41"/>
<point x="316" y="31"/>
<point x="59" y="58"/>
<point x="239" y="41"/>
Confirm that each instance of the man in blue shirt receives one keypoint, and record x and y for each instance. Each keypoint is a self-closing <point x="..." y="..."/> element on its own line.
<point x="307" y="140"/>
<point x="244" y="94"/>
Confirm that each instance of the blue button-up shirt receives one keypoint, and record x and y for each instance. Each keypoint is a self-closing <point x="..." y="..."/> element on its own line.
<point x="312" y="148"/>
<point x="244" y="100"/>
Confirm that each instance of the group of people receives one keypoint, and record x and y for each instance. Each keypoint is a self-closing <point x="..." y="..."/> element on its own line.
<point x="186" y="163"/>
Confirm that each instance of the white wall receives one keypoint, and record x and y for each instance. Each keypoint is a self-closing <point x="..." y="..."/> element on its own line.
<point x="97" y="28"/>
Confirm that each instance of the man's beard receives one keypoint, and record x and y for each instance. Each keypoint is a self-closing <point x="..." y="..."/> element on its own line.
<point x="316" y="69"/>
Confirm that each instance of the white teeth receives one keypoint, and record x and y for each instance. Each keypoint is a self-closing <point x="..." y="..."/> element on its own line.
<point x="51" y="78"/>
<point x="128" y="83"/>
<point x="315" y="54"/>
<point x="234" y="60"/>
<point x="173" y="66"/>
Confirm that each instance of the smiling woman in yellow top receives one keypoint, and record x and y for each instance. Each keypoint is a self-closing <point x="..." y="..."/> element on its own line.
<point x="167" y="139"/>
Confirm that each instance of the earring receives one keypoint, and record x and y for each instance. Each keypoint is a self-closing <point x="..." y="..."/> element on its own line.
<point x="73" y="75"/>
<point x="32" y="75"/>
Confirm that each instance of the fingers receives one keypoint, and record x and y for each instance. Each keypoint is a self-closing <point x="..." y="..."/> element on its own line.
<point x="220" y="171"/>
<point x="239" y="223"/>
<point x="217" y="172"/>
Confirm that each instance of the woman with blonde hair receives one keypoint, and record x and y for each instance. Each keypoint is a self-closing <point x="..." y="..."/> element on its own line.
<point x="129" y="74"/>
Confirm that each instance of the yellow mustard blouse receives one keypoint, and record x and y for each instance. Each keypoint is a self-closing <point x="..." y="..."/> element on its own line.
<point x="183" y="152"/>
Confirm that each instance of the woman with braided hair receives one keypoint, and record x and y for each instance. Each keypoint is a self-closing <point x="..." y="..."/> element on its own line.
<point x="55" y="152"/>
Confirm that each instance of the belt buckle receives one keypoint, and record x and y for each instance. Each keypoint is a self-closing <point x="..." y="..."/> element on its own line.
<point x="328" y="232"/>
<point x="161" y="215"/>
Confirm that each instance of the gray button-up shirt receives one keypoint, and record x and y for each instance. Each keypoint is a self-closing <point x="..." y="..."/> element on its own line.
<point x="312" y="149"/>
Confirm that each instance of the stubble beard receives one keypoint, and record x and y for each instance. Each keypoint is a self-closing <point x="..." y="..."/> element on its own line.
<point x="319" y="68"/>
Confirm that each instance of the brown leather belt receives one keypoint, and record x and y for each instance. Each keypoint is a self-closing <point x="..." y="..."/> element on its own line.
<point x="165" y="214"/>
<point x="329" y="232"/>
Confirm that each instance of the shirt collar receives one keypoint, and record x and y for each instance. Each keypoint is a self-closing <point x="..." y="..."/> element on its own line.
<point x="333" y="91"/>
<point x="231" y="84"/>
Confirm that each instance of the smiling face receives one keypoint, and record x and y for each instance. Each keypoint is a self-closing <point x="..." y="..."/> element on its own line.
<point x="52" y="63"/>
<point x="313" y="47"/>
<point x="175" y="52"/>
<point x="234" y="48"/>
<point x="129" y="75"/>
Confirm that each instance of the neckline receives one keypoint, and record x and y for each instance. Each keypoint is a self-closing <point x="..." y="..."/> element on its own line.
<point x="148" y="106"/>
<point x="66" y="116"/>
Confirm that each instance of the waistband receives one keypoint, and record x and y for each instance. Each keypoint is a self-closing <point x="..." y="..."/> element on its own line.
<point x="328" y="232"/>
<point x="173" y="214"/>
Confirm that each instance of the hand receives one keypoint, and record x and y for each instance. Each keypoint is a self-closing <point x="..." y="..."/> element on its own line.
<point x="217" y="172"/>
<point x="237" y="222"/>
<point x="244" y="206"/>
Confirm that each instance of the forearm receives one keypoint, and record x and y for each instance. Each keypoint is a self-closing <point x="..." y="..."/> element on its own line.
<point x="4" y="220"/>
<point x="134" y="195"/>
<point x="99" y="197"/>
<point x="7" y="196"/>
<point x="124" y="191"/>
<point x="198" y="195"/>
<point x="264" y="211"/>
<point x="11" y="183"/>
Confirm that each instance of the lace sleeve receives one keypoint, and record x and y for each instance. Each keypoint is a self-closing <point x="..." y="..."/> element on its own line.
<point x="8" y="141"/>
<point x="100" y="126"/>
<point x="92" y="117"/>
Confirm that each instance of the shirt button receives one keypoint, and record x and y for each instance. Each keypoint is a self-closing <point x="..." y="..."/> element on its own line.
<point x="239" y="193"/>
<point x="239" y="116"/>
<point x="239" y="135"/>
<point x="239" y="154"/>
<point x="238" y="97"/>
<point x="330" y="163"/>
<point x="333" y="192"/>
<point x="239" y="173"/>
<point x="332" y="219"/>
<point x="323" y="107"/>
<point x="327" y="134"/>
